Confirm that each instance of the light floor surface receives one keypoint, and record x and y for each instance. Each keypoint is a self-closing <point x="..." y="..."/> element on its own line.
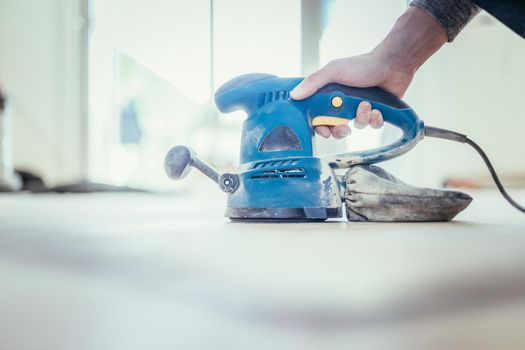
<point x="159" y="271"/>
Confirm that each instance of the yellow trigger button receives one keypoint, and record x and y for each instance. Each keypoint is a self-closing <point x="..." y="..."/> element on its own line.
<point x="329" y="121"/>
<point x="337" y="101"/>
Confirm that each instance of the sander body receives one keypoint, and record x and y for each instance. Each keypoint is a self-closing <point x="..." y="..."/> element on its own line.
<point x="281" y="177"/>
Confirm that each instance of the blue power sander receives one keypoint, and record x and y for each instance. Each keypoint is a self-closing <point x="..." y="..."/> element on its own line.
<point x="280" y="177"/>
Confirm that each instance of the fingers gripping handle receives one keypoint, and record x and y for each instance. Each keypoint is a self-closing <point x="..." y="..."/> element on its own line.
<point x="334" y="103"/>
<point x="341" y="101"/>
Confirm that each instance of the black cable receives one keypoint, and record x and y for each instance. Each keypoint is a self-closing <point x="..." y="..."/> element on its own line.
<point x="494" y="175"/>
<point x="431" y="131"/>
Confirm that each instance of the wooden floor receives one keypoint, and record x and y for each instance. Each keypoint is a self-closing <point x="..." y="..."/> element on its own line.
<point x="157" y="271"/>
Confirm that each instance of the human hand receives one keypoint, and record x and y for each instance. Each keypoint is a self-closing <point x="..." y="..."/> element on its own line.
<point x="415" y="37"/>
<point x="361" y="71"/>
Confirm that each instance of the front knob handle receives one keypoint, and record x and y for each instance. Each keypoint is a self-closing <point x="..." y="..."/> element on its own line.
<point x="180" y="159"/>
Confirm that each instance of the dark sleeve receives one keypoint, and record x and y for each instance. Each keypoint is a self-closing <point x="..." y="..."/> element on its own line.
<point x="453" y="15"/>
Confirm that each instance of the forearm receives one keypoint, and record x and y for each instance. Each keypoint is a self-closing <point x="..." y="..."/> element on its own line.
<point x="414" y="38"/>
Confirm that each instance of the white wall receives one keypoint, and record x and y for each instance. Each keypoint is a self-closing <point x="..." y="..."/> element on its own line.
<point x="41" y="72"/>
<point x="475" y="86"/>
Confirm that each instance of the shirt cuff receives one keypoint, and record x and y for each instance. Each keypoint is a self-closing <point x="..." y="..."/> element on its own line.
<point x="452" y="15"/>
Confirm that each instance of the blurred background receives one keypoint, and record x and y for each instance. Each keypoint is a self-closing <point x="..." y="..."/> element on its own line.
<point x="97" y="91"/>
<point x="100" y="90"/>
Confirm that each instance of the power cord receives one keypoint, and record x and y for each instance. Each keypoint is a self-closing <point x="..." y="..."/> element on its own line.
<point x="454" y="136"/>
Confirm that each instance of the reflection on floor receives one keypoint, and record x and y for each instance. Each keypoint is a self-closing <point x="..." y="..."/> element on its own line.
<point x="135" y="271"/>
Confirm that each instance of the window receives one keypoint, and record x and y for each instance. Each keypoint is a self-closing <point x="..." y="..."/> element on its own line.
<point x="154" y="66"/>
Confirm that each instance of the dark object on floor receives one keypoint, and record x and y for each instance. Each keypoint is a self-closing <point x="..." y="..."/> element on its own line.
<point x="9" y="180"/>
<point x="31" y="182"/>
<point x="88" y="187"/>
<point x="34" y="183"/>
<point x="373" y="194"/>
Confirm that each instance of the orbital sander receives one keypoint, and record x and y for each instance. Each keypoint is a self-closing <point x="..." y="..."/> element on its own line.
<point x="281" y="178"/>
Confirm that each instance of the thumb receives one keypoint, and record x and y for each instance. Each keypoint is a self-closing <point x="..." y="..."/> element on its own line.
<point x="312" y="83"/>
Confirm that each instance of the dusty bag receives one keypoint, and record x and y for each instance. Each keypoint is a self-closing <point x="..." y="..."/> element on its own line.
<point x="373" y="194"/>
